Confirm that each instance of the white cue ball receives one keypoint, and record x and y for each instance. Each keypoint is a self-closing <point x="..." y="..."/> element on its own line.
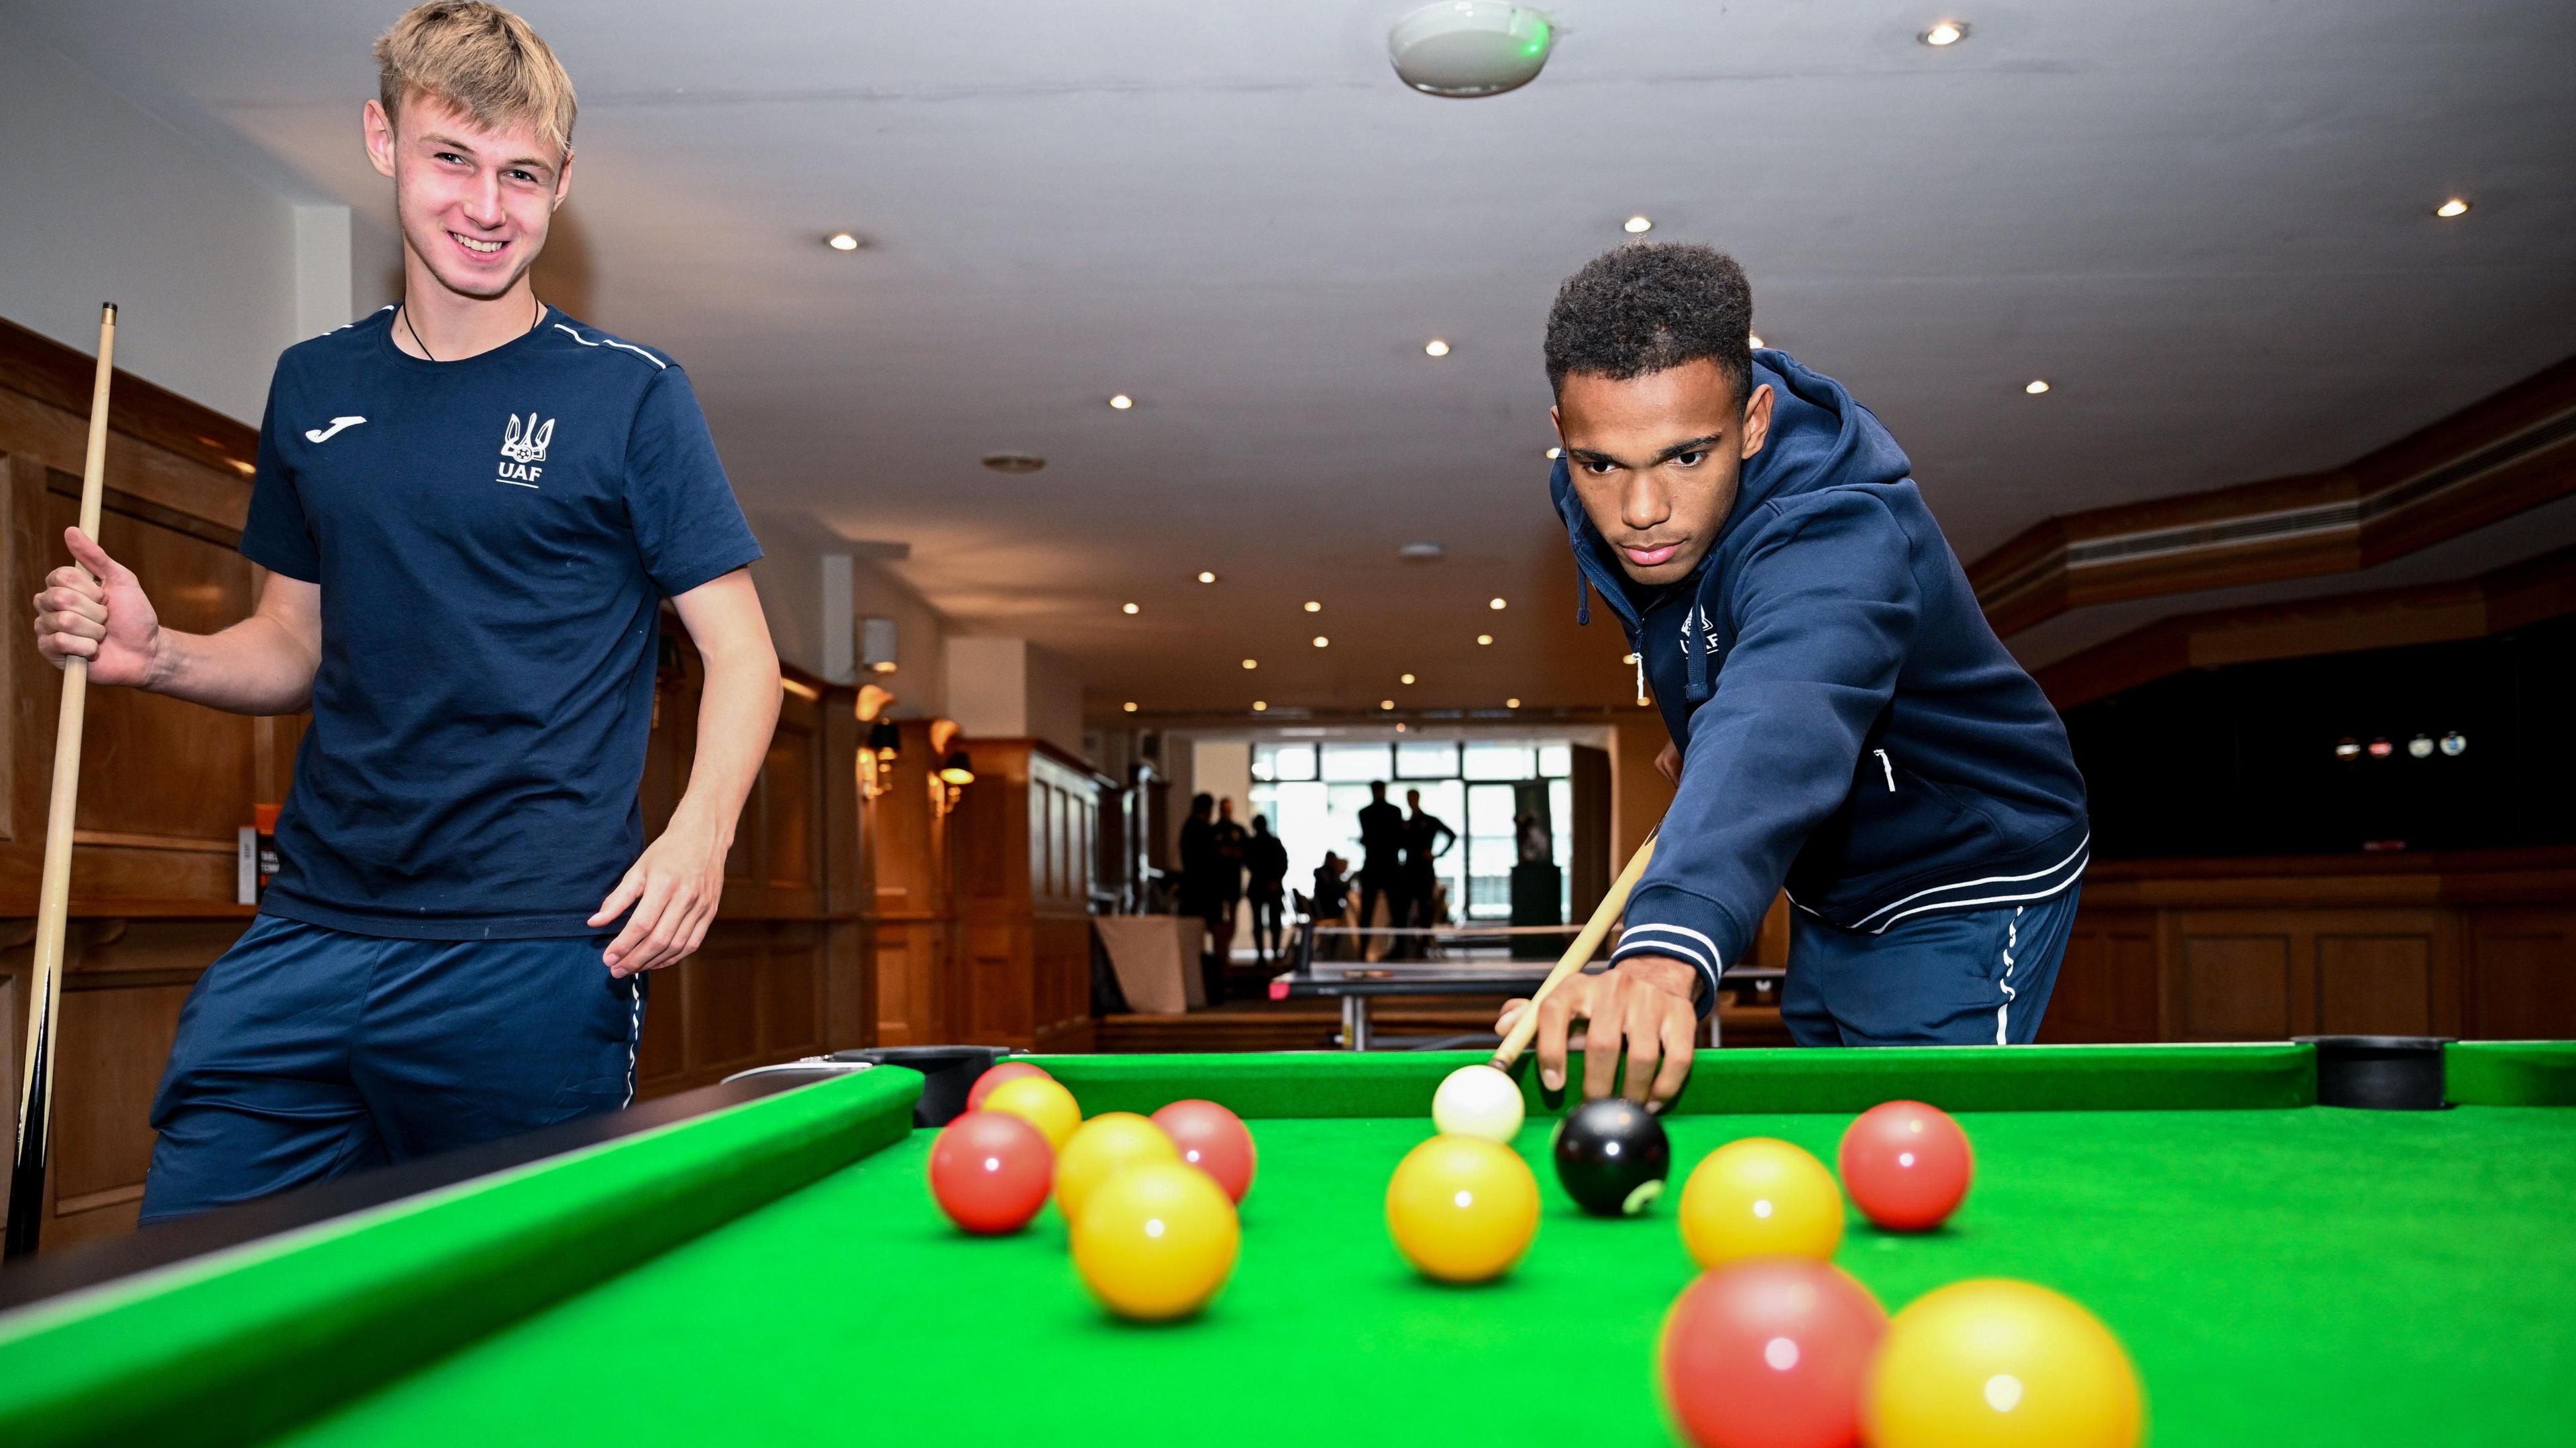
<point x="1478" y="1101"/>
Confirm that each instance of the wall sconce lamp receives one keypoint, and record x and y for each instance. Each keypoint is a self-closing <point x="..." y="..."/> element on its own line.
<point x="885" y="741"/>
<point x="948" y="780"/>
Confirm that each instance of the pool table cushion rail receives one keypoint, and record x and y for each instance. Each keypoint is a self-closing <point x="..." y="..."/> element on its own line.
<point x="1956" y="1078"/>
<point x="242" y="1343"/>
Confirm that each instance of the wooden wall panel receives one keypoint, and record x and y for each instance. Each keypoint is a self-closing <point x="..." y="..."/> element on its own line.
<point x="1023" y="844"/>
<point x="2475" y="945"/>
<point x="2519" y="974"/>
<point x="2234" y="988"/>
<point x="912" y="914"/>
<point x="2374" y="985"/>
<point x="2106" y="986"/>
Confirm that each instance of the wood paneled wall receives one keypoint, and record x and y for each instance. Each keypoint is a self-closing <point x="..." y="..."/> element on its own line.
<point x="1027" y="834"/>
<point x="2480" y="946"/>
<point x="165" y="786"/>
<point x="915" y="920"/>
<point x="983" y="918"/>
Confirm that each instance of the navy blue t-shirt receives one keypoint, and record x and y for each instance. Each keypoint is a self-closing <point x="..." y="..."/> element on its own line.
<point x="493" y="539"/>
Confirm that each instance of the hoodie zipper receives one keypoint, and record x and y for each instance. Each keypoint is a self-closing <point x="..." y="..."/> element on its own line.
<point x="1889" y="766"/>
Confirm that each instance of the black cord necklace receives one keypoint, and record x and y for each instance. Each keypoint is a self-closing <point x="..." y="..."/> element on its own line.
<point x="404" y="310"/>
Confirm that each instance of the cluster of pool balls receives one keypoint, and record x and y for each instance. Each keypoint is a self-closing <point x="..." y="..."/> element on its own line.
<point x="1773" y="1346"/>
<point x="1149" y="1201"/>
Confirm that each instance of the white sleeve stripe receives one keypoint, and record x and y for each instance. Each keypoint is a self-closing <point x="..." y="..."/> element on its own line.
<point x="611" y="342"/>
<point x="1684" y="930"/>
<point x="1660" y="947"/>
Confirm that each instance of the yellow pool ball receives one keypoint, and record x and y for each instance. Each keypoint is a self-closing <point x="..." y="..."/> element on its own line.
<point x="1156" y="1241"/>
<point x="1101" y="1148"/>
<point x="1760" y="1197"/>
<point x="1041" y="1102"/>
<point x="1994" y="1363"/>
<point x="1462" y="1208"/>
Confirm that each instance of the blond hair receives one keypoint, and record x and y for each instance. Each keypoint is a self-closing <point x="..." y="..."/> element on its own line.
<point x="482" y="59"/>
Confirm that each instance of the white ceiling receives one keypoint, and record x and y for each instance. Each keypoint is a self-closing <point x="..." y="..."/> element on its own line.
<point x="2206" y="222"/>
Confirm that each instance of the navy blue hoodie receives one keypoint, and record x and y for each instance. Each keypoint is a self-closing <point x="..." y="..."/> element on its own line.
<point x="1850" y="726"/>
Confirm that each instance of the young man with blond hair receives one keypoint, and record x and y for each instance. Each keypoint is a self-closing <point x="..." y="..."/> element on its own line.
<point x="470" y="508"/>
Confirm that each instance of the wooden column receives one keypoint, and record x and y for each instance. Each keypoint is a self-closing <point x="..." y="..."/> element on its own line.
<point x="914" y="919"/>
<point x="1024" y="841"/>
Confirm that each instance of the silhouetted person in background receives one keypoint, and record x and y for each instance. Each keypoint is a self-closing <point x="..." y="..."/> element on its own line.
<point x="1426" y="838"/>
<point x="1198" y="883"/>
<point x="1265" y="863"/>
<point x="1226" y="839"/>
<point x="1381" y="857"/>
<point x="1329" y="905"/>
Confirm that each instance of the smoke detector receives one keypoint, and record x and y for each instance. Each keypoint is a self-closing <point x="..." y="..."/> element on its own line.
<point x="1470" y="48"/>
<point x="1421" y="552"/>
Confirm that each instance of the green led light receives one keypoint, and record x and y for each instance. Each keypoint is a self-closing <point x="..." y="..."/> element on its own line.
<point x="1538" y="41"/>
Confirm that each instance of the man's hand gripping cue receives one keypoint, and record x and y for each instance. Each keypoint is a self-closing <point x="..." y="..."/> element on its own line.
<point x="1644" y="1002"/>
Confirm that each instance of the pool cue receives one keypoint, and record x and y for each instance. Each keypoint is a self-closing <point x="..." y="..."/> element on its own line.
<point x="53" y="895"/>
<point x="1577" y="953"/>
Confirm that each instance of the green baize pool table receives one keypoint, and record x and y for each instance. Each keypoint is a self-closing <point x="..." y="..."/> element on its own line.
<point x="775" y="1271"/>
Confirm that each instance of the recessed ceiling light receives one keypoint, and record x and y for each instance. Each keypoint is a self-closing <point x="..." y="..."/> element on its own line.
<point x="1322" y="642"/>
<point x="1129" y="706"/>
<point x="1404" y="678"/>
<point x="1511" y="703"/>
<point x="1753" y="341"/>
<point x="1206" y="577"/>
<point x="1484" y="638"/>
<point x="843" y="241"/>
<point x="1252" y="663"/>
<point x="2035" y="386"/>
<point x="1386" y="703"/>
<point x="1435" y="348"/>
<point x="2453" y="207"/>
<point x="1014" y="462"/>
<point x="1314" y="607"/>
<point x="1554" y="453"/>
<point x="1260" y="706"/>
<point x="1127" y="608"/>
<point x="1945" y="32"/>
<point x="1638" y="225"/>
<point x="1122" y="402"/>
<point x="1494" y="603"/>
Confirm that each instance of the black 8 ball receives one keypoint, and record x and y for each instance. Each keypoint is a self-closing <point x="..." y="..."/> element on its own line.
<point x="1612" y="1157"/>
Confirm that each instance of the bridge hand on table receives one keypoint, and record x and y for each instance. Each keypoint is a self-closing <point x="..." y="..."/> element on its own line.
<point x="1643" y="1002"/>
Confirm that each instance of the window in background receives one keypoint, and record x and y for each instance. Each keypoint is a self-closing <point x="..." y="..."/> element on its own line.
<point x="1426" y="761"/>
<point x="1283" y="761"/>
<point x="1490" y="760"/>
<point x="1313" y="795"/>
<point x="1492" y="850"/>
<point x="1355" y="763"/>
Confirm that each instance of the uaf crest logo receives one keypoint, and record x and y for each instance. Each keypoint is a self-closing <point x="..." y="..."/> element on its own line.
<point x="524" y="445"/>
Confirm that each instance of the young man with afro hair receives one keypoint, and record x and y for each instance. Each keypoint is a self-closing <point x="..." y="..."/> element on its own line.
<point x="1844" y="722"/>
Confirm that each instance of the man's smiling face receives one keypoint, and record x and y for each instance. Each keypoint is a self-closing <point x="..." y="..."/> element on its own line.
<point x="475" y="202"/>
<point x="1656" y="459"/>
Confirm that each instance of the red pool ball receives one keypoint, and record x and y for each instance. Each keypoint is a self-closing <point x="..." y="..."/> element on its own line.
<point x="1906" y="1165"/>
<point x="1770" y="1353"/>
<point x="991" y="1172"/>
<point x="994" y="1076"/>
<point x="1214" y="1140"/>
